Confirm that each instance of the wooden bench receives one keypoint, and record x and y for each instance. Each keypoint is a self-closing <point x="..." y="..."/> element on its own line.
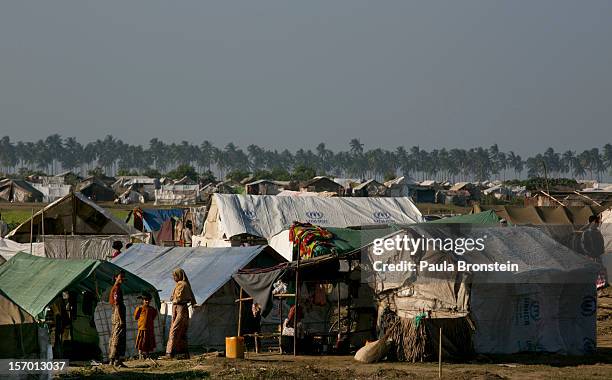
<point x="258" y="336"/>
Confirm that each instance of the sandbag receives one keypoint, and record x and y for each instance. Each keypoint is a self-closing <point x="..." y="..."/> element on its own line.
<point x="372" y="351"/>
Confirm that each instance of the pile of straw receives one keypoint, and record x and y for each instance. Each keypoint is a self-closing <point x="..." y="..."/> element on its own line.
<point x="418" y="341"/>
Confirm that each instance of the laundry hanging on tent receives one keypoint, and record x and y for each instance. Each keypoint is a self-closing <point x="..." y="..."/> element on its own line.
<point x="310" y="240"/>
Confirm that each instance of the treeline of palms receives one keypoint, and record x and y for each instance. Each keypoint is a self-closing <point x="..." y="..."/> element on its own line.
<point x="55" y="153"/>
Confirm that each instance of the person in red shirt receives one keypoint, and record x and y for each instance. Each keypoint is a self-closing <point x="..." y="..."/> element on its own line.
<point x="145" y="315"/>
<point x="116" y="349"/>
<point x="117" y="246"/>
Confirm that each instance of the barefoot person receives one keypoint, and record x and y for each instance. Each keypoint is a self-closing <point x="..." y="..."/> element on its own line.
<point x="116" y="349"/>
<point x="182" y="296"/>
<point x="145" y="315"/>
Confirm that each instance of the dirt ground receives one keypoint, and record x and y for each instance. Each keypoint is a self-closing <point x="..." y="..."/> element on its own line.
<point x="275" y="366"/>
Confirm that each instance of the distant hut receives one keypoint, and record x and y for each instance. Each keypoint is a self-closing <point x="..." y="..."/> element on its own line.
<point x="13" y="190"/>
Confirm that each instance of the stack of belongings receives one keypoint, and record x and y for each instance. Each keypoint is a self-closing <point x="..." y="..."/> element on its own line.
<point x="310" y="240"/>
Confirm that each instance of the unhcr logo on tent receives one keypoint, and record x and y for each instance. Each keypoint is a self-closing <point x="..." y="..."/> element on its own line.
<point x="315" y="217"/>
<point x="249" y="214"/>
<point x="381" y="217"/>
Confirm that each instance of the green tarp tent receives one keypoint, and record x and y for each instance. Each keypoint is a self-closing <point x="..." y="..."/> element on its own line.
<point x="347" y="239"/>
<point x="482" y="218"/>
<point x="35" y="283"/>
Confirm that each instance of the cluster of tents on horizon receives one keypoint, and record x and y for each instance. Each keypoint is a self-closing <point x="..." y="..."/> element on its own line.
<point x="59" y="260"/>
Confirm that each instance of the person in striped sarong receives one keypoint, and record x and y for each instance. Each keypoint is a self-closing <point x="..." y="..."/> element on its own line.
<point x="116" y="345"/>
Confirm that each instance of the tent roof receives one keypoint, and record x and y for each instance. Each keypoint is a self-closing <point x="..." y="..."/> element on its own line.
<point x="543" y="214"/>
<point x="348" y="239"/>
<point x="266" y="215"/>
<point x="485" y="217"/>
<point x="73" y="213"/>
<point x="24" y="185"/>
<point x="540" y="258"/>
<point x="367" y="183"/>
<point x="34" y="282"/>
<point x="208" y="269"/>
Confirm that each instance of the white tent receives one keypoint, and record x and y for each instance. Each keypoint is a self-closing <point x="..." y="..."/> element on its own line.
<point x="74" y="227"/>
<point x="264" y="216"/>
<point x="210" y="273"/>
<point x="547" y="305"/>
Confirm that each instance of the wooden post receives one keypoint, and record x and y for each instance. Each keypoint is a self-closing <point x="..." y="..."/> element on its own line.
<point x="296" y="305"/>
<point x="280" y="318"/>
<point x="42" y="222"/>
<point x="240" y="312"/>
<point x="440" y="355"/>
<point x="338" y="292"/>
<point x="66" y="244"/>
<point x="31" y="230"/>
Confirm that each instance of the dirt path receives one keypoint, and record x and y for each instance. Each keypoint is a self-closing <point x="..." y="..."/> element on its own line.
<point x="274" y="366"/>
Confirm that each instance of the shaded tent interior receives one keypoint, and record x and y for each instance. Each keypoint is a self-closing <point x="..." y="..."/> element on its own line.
<point x="18" y="329"/>
<point x="38" y="284"/>
<point x="73" y="214"/>
<point x="97" y="190"/>
<point x="329" y="290"/>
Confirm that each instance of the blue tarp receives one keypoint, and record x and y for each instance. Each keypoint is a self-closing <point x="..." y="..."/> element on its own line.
<point x="152" y="219"/>
<point x="208" y="269"/>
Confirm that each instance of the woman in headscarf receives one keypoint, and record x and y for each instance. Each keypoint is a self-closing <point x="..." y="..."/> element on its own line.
<point x="116" y="350"/>
<point x="182" y="296"/>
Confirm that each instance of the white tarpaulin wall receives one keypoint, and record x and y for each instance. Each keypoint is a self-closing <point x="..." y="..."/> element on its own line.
<point x="9" y="248"/>
<point x="103" y="320"/>
<point x="81" y="246"/>
<point x="266" y="215"/>
<point x="52" y="192"/>
<point x="209" y="270"/>
<point x="548" y="305"/>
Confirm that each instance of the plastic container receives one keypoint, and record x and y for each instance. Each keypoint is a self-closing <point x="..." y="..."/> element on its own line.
<point x="234" y="347"/>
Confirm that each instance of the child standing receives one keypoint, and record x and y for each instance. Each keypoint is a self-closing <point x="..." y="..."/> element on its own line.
<point x="145" y="315"/>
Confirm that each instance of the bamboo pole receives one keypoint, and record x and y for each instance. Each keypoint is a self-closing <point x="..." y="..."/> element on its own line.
<point x="440" y="355"/>
<point x="240" y="312"/>
<point x="31" y="230"/>
<point x="296" y="305"/>
<point x="66" y="244"/>
<point x="42" y="219"/>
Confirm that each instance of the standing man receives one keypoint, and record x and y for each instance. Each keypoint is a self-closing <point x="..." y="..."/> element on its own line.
<point x="116" y="345"/>
<point x="187" y="234"/>
<point x="593" y="246"/>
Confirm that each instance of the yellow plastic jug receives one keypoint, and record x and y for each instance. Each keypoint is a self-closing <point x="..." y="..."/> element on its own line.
<point x="234" y="347"/>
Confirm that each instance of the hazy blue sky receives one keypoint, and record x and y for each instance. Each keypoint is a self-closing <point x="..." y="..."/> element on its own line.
<point x="523" y="74"/>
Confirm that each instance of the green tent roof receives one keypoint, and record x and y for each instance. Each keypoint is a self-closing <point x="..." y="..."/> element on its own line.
<point x="482" y="218"/>
<point x="347" y="239"/>
<point x="34" y="282"/>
